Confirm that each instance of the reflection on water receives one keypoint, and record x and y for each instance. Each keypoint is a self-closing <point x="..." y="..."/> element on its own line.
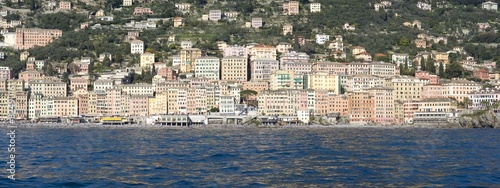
<point x="255" y="157"/>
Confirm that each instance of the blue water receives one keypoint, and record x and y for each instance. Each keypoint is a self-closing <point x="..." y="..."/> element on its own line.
<point x="188" y="157"/>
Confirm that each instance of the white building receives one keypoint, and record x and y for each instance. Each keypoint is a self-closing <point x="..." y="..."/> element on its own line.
<point x="102" y="85"/>
<point x="315" y="7"/>
<point x="207" y="67"/>
<point x="137" y="47"/>
<point x="399" y="58"/>
<point x="488" y="5"/>
<point x="424" y="6"/>
<point x="176" y="60"/>
<point x="321" y="39"/>
<point x="227" y="105"/>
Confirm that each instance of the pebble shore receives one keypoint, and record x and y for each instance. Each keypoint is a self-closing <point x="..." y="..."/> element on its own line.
<point x="97" y="125"/>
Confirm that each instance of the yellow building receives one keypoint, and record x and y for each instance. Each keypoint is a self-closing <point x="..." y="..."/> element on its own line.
<point x="4" y="109"/>
<point x="47" y="88"/>
<point x="442" y="57"/>
<point x="147" y="60"/>
<point x="234" y="68"/>
<point x="188" y="58"/>
<point x="459" y="89"/>
<point x="323" y="81"/>
<point x="262" y="51"/>
<point x="406" y="87"/>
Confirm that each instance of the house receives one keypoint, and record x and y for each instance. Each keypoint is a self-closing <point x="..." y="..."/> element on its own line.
<point x="365" y="56"/>
<point x="4" y="12"/>
<point x="186" y="44"/>
<point x="65" y="5"/>
<point x="287" y="28"/>
<point x="337" y="45"/>
<point x="482" y="74"/>
<point x="132" y="34"/>
<point x="137" y="47"/>
<point x="178" y="21"/>
<point x="321" y="38"/>
<point x="142" y="11"/>
<point x="400" y="58"/>
<point x="483" y="26"/>
<point x="424" y="6"/>
<point x="357" y="50"/>
<point x="215" y="15"/>
<point x="104" y="56"/>
<point x="283" y="47"/>
<point x="183" y="7"/>
<point x="489" y="5"/>
<point x="420" y="43"/>
<point x="315" y="7"/>
<point x="2" y="55"/>
<point x="348" y="27"/>
<point x="257" y="22"/>
<point x="127" y="3"/>
<point x="291" y="8"/>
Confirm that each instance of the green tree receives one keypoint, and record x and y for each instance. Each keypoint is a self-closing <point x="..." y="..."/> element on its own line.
<point x="441" y="70"/>
<point x="404" y="41"/>
<point x="246" y="94"/>
<point x="454" y="70"/>
<point x="215" y="109"/>
<point x="422" y="64"/>
<point x="430" y="66"/>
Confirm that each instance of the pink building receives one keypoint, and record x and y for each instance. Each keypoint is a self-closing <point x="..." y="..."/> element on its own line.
<point x="432" y="91"/>
<point x="30" y="37"/>
<point x="65" y="5"/>
<point x="132" y="35"/>
<point x="6" y="72"/>
<point x="114" y="102"/>
<point x="77" y="83"/>
<point x="383" y="105"/>
<point x="424" y="75"/>
<point x="481" y="74"/>
<point x="29" y="75"/>
<point x="340" y="104"/>
<point x="235" y="51"/>
<point x="168" y="73"/>
<point x="142" y="11"/>
<point x="321" y="102"/>
<point x="138" y="105"/>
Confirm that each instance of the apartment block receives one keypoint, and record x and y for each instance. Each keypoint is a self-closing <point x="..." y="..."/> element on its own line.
<point x="286" y="79"/>
<point x="207" y="67"/>
<point x="137" y="47"/>
<point x="6" y="73"/>
<point x="263" y="68"/>
<point x="322" y="81"/>
<point x="262" y="51"/>
<point x="188" y="58"/>
<point x="147" y="60"/>
<point x="48" y="88"/>
<point x="27" y="38"/>
<point x="215" y="15"/>
<point x="77" y="83"/>
<point x="291" y="8"/>
<point x="234" y="68"/>
<point x="459" y="89"/>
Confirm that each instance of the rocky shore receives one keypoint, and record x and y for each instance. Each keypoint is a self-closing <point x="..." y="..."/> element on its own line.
<point x="487" y="119"/>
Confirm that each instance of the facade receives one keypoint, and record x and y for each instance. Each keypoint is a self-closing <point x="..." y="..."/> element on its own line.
<point x="459" y="89"/>
<point x="321" y="39"/>
<point x="178" y="21"/>
<point x="147" y="60"/>
<point x="361" y="82"/>
<point x="79" y="83"/>
<point x="361" y="111"/>
<point x="432" y="91"/>
<point x="48" y="88"/>
<point x="27" y="38"/>
<point x="127" y="3"/>
<point x="6" y="73"/>
<point x="257" y="22"/>
<point x="293" y="56"/>
<point x="489" y="5"/>
<point x="322" y="81"/>
<point x="330" y="67"/>
<point x="286" y="79"/>
<point x="234" y="68"/>
<point x="256" y="86"/>
<point x="481" y="99"/>
<point x="103" y="85"/>
<point x="383" y="105"/>
<point x="262" y="51"/>
<point x="298" y="68"/>
<point x="291" y="8"/>
<point x="227" y="105"/>
<point x="315" y="7"/>
<point x="406" y="88"/>
<point x="282" y="102"/>
<point x="188" y="58"/>
<point x="287" y="28"/>
<point x="215" y="15"/>
<point x="236" y="51"/>
<point x="142" y="11"/>
<point x="137" y="47"/>
<point x="263" y="68"/>
<point x="207" y="67"/>
<point x="64" y="5"/>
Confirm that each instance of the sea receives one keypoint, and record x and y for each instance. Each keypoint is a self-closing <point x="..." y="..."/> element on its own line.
<point x="252" y="157"/>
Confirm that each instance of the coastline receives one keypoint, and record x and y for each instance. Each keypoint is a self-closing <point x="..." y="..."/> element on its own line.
<point x="218" y="126"/>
